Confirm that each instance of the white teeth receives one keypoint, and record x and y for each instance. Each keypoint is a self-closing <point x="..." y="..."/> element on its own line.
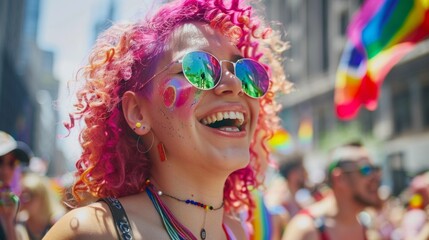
<point x="230" y="129"/>
<point x="239" y="116"/>
<point x="219" y="116"/>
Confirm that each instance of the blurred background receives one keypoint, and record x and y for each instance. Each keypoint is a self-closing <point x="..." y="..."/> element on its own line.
<point x="44" y="42"/>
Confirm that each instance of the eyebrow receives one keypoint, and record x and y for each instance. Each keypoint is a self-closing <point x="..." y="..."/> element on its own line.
<point x="236" y="57"/>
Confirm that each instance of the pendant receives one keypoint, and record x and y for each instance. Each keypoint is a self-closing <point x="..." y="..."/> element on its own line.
<point x="203" y="234"/>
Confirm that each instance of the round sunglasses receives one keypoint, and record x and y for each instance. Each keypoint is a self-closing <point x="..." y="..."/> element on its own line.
<point x="204" y="71"/>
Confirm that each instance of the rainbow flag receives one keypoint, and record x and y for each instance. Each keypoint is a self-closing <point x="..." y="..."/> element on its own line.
<point x="261" y="222"/>
<point x="379" y="35"/>
<point x="305" y="132"/>
<point x="281" y="142"/>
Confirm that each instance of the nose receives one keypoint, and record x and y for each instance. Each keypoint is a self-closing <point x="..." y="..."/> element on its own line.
<point x="229" y="83"/>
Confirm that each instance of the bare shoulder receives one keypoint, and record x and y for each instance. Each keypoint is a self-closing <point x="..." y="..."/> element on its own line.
<point x="90" y="222"/>
<point x="301" y="227"/>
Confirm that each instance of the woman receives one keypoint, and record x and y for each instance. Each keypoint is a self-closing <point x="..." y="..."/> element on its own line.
<point x="40" y="207"/>
<point x="177" y="109"/>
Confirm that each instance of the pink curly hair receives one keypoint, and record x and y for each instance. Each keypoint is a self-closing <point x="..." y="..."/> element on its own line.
<point x="110" y="164"/>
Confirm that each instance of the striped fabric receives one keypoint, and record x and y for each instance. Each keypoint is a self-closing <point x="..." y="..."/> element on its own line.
<point x="379" y="35"/>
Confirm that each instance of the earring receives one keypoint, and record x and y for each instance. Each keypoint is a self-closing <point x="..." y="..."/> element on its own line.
<point x="161" y="151"/>
<point x="138" y="125"/>
<point x="151" y="144"/>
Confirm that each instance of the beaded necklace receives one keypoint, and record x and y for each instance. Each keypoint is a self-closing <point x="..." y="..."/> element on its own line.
<point x="174" y="228"/>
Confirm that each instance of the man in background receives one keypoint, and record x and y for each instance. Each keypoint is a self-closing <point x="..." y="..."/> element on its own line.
<point x="354" y="181"/>
<point x="293" y="171"/>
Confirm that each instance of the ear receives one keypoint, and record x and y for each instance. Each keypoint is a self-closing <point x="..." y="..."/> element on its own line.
<point x="135" y="112"/>
<point x="336" y="176"/>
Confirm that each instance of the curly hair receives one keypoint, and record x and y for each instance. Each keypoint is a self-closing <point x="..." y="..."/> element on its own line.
<point x="120" y="60"/>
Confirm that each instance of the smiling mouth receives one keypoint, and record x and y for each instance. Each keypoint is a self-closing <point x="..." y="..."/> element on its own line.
<point x="225" y="121"/>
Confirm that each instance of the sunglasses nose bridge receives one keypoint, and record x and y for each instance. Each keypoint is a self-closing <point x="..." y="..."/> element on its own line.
<point x="229" y="82"/>
<point x="231" y="63"/>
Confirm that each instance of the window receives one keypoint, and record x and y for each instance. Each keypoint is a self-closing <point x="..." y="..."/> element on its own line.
<point x="366" y="120"/>
<point x="397" y="171"/>
<point x="325" y="36"/>
<point x="344" y="21"/>
<point x="401" y="104"/>
<point x="425" y="103"/>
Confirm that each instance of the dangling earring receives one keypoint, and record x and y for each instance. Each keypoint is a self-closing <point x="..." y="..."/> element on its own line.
<point x="138" y="125"/>
<point x="151" y="144"/>
<point x="161" y="151"/>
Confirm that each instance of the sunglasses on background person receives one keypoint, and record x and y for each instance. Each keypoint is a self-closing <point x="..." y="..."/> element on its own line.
<point x="364" y="170"/>
<point x="204" y="71"/>
<point x="351" y="166"/>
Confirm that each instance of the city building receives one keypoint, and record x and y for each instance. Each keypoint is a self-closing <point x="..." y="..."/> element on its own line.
<point x="27" y="85"/>
<point x="397" y="131"/>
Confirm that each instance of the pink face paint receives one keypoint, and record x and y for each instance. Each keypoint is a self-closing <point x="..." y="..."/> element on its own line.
<point x="176" y="93"/>
<point x="169" y="96"/>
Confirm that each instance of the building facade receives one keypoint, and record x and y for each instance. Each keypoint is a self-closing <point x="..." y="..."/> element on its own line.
<point x="27" y="85"/>
<point x="397" y="132"/>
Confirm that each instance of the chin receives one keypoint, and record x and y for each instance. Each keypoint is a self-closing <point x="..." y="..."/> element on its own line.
<point x="235" y="161"/>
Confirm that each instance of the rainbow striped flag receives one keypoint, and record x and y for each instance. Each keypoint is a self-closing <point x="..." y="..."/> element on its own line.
<point x="281" y="142"/>
<point x="305" y="133"/>
<point x="261" y="222"/>
<point x="379" y="35"/>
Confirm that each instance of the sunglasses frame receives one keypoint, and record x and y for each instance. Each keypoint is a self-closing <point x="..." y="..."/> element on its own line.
<point x="220" y="75"/>
<point x="364" y="170"/>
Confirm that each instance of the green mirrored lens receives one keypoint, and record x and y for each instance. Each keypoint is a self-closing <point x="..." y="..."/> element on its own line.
<point x="366" y="170"/>
<point x="201" y="69"/>
<point x="253" y="76"/>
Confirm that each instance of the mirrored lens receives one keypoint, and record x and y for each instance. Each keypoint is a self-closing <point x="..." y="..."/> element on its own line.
<point x="201" y="69"/>
<point x="253" y="76"/>
<point x="367" y="170"/>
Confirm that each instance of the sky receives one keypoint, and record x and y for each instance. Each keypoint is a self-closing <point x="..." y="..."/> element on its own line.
<point x="66" y="27"/>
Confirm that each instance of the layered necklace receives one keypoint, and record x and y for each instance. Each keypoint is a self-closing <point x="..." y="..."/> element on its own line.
<point x="174" y="228"/>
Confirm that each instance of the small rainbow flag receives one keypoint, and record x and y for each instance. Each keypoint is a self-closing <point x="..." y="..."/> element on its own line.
<point x="379" y="35"/>
<point x="262" y="222"/>
<point x="305" y="132"/>
<point x="281" y="142"/>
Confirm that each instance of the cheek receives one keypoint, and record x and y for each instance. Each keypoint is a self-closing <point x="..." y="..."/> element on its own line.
<point x="178" y="94"/>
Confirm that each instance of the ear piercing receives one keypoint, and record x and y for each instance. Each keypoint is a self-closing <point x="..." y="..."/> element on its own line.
<point x="138" y="125"/>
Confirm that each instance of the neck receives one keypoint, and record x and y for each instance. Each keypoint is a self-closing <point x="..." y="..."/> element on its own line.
<point x="189" y="182"/>
<point x="197" y="218"/>
<point x="292" y="188"/>
<point x="347" y="210"/>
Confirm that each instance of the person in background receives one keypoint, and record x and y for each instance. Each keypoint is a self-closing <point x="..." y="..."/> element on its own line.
<point x="354" y="180"/>
<point x="415" y="218"/>
<point x="293" y="176"/>
<point x="40" y="207"/>
<point x="14" y="157"/>
<point x="294" y="173"/>
<point x="177" y="108"/>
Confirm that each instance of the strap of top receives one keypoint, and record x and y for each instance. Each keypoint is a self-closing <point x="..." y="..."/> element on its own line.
<point x="122" y="224"/>
<point x="228" y="231"/>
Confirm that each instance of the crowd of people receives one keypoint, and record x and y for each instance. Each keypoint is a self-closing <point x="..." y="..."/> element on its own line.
<point x="177" y="110"/>
<point x="350" y="203"/>
<point x="29" y="203"/>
